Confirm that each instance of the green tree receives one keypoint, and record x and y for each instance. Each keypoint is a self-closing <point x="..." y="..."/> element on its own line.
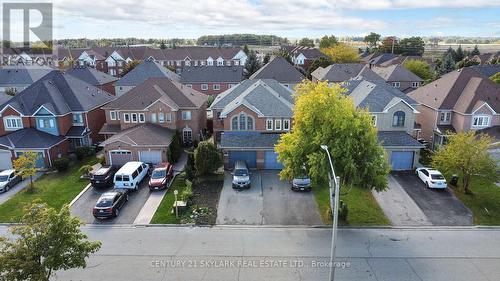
<point x="413" y="46"/>
<point x="324" y="115"/>
<point x="475" y="51"/>
<point x="420" y="68"/>
<point x="267" y="58"/>
<point x="190" y="167"/>
<point x="466" y="155"/>
<point x="306" y="42"/>
<point x="47" y="240"/>
<point x="447" y="65"/>
<point x="496" y="78"/>
<point x="468" y="61"/>
<point x="175" y="148"/>
<point x="210" y="100"/>
<point x="252" y="64"/>
<point x="25" y="165"/>
<point x="459" y="54"/>
<point x="342" y="53"/>
<point x="163" y="46"/>
<point x="328" y="41"/>
<point x="246" y="50"/>
<point x="387" y="45"/>
<point x="207" y="158"/>
<point x="129" y="66"/>
<point x="372" y="39"/>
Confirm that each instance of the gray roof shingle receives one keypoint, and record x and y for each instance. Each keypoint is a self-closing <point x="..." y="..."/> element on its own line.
<point x="143" y="71"/>
<point x="22" y="75"/>
<point x="143" y="135"/>
<point x="397" y="73"/>
<point x="210" y="74"/>
<point x="341" y="72"/>
<point x="397" y="139"/>
<point x="280" y="70"/>
<point x="91" y="75"/>
<point x="248" y="139"/>
<point x="29" y="138"/>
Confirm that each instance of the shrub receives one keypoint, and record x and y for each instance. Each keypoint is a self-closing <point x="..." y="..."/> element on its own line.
<point x="207" y="158"/>
<point x="85" y="170"/>
<point x="187" y="193"/>
<point x="343" y="211"/>
<point x="61" y="164"/>
<point x="84" y="151"/>
<point x="190" y="169"/>
<point x="175" y="148"/>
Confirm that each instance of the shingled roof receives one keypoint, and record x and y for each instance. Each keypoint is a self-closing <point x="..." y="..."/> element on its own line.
<point x="280" y="70"/>
<point x="91" y="75"/>
<point x="30" y="138"/>
<point x="158" y="89"/>
<point x="248" y="139"/>
<point x="462" y="90"/>
<point x="201" y="74"/>
<point x="22" y="75"/>
<point x="341" y="72"/>
<point x="145" y="70"/>
<point x="143" y="135"/>
<point x="60" y="94"/>
<point x="396" y="73"/>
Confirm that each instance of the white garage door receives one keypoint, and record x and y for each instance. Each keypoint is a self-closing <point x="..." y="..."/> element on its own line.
<point x="150" y="157"/>
<point x="5" y="160"/>
<point x="120" y="157"/>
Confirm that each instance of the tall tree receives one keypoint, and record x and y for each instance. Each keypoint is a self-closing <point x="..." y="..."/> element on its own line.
<point x="328" y="41"/>
<point x="129" y="66"/>
<point x="413" y="46"/>
<point x="246" y="50"/>
<point x="420" y="68"/>
<point x="388" y="45"/>
<point x="46" y="241"/>
<point x="267" y="58"/>
<point x="466" y="155"/>
<point x="447" y="65"/>
<point x="324" y="115"/>
<point x="372" y="39"/>
<point x="207" y="158"/>
<point x="306" y="42"/>
<point x="252" y="64"/>
<point x="475" y="51"/>
<point x="459" y="54"/>
<point x="467" y="61"/>
<point x="25" y="165"/>
<point x="342" y="53"/>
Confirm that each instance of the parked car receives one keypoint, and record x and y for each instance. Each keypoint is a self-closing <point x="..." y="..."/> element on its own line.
<point x="241" y="175"/>
<point x="301" y="183"/>
<point x="130" y="175"/>
<point x="103" y="177"/>
<point x="110" y="203"/>
<point x="161" y="176"/>
<point x="8" y="179"/>
<point x="431" y="177"/>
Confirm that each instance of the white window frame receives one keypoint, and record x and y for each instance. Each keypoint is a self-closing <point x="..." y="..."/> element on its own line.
<point x="189" y="85"/>
<point x="81" y="119"/>
<point x="161" y="117"/>
<point x="142" y="118"/>
<point x="132" y="118"/>
<point x="269" y="122"/>
<point x="186" y="117"/>
<point x="415" y="85"/>
<point x="396" y="84"/>
<point x="185" y="131"/>
<point x="153" y="118"/>
<point x="485" y="121"/>
<point x="126" y="117"/>
<point x="216" y="87"/>
<point x="112" y="115"/>
<point x="277" y="124"/>
<point x="168" y="117"/>
<point x="204" y="87"/>
<point x="446" y="117"/>
<point x="286" y="124"/>
<point x="13" y="120"/>
<point x="374" y="120"/>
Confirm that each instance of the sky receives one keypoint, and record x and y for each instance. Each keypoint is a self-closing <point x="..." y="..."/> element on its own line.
<point x="285" y="18"/>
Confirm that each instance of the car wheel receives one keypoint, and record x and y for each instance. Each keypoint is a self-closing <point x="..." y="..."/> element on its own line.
<point x="427" y="183"/>
<point x="126" y="198"/>
<point x="117" y="212"/>
<point x="7" y="187"/>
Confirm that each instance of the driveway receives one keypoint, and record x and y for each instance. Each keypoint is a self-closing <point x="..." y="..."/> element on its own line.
<point x="83" y="206"/>
<point x="268" y="202"/>
<point x="18" y="187"/>
<point x="440" y="206"/>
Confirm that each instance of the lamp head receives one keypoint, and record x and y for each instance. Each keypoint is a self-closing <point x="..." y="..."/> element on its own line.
<point x="324" y="147"/>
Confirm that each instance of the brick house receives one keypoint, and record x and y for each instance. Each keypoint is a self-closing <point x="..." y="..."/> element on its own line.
<point x="53" y="116"/>
<point x="393" y="113"/>
<point x="140" y="124"/>
<point x="181" y="57"/>
<point x="399" y="77"/>
<point x="302" y="56"/>
<point x="94" y="77"/>
<point x="341" y="72"/>
<point x="460" y="101"/>
<point x="249" y="120"/>
<point x="211" y="80"/>
<point x="280" y="70"/>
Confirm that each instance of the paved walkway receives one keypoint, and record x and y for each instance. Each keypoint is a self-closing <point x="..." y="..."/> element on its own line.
<point x="398" y="206"/>
<point x="18" y="187"/>
<point x="148" y="210"/>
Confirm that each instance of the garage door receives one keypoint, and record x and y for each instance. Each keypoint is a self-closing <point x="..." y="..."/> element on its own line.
<point x="150" y="157"/>
<point x="402" y="160"/>
<point x="5" y="160"/>
<point x="250" y="157"/>
<point x="271" y="161"/>
<point x="120" y="157"/>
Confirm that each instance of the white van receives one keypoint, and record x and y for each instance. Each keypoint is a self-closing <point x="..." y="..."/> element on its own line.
<point x="130" y="175"/>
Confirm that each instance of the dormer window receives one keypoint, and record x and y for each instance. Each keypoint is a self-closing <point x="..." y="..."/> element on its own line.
<point x="77" y="119"/>
<point x="396" y="84"/>
<point x="481" y="121"/>
<point x="415" y="85"/>
<point x="445" y="117"/>
<point x="398" y="119"/>
<point x="13" y="123"/>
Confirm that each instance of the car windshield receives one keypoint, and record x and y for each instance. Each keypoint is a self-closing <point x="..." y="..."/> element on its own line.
<point x="159" y="174"/>
<point x="437" y="177"/>
<point x="3" y="178"/>
<point x="241" y="172"/>
<point x="105" y="202"/>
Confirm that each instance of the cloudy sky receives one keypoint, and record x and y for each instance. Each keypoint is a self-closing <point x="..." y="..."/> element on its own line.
<point x="287" y="18"/>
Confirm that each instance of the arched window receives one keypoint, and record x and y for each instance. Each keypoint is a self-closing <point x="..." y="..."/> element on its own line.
<point x="398" y="119"/>
<point x="243" y="121"/>
<point x="249" y="123"/>
<point x="187" y="135"/>
<point x="234" y="123"/>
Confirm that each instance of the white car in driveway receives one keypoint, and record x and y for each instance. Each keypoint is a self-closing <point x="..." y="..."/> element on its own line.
<point x="431" y="177"/>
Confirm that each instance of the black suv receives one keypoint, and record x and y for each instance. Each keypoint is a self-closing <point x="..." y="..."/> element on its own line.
<point x="103" y="177"/>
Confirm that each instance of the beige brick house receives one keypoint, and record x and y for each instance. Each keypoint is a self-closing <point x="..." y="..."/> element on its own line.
<point x="141" y="123"/>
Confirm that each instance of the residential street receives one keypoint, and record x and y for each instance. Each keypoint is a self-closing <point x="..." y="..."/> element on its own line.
<point x="142" y="253"/>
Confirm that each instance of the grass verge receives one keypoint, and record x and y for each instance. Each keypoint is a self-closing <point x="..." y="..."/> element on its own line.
<point x="484" y="203"/>
<point x="54" y="189"/>
<point x="163" y="214"/>
<point x="363" y="209"/>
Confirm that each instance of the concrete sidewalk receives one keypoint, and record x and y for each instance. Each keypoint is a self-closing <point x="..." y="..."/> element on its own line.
<point x="148" y="210"/>
<point x="398" y="206"/>
<point x="18" y="187"/>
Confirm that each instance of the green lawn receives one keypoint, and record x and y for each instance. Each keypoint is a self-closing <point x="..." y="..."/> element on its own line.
<point x="55" y="189"/>
<point x="163" y="214"/>
<point x="484" y="203"/>
<point x="363" y="209"/>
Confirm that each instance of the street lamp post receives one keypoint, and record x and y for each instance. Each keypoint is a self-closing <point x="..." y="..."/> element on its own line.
<point x="335" y="207"/>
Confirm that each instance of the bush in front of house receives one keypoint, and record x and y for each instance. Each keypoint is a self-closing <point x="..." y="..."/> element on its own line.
<point x="207" y="158"/>
<point x="175" y="148"/>
<point x="190" y="169"/>
<point x="187" y="193"/>
<point x="61" y="164"/>
<point x="84" y="151"/>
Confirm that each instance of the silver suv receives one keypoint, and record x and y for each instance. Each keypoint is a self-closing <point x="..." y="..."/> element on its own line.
<point x="241" y="176"/>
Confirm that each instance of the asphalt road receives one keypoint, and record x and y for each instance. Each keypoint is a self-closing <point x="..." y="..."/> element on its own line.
<point x="261" y="253"/>
<point x="440" y="206"/>
<point x="83" y="206"/>
<point x="269" y="201"/>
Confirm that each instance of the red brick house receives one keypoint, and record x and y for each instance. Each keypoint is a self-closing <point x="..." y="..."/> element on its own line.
<point x="211" y="80"/>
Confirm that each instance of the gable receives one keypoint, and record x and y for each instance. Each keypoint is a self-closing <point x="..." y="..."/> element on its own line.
<point x="42" y="111"/>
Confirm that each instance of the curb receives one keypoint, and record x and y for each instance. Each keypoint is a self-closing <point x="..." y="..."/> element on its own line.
<point x="79" y="195"/>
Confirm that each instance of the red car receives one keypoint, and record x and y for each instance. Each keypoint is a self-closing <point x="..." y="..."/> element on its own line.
<point x="161" y="176"/>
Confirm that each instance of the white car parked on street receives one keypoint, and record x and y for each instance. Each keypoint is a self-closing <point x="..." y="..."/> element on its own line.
<point x="431" y="177"/>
